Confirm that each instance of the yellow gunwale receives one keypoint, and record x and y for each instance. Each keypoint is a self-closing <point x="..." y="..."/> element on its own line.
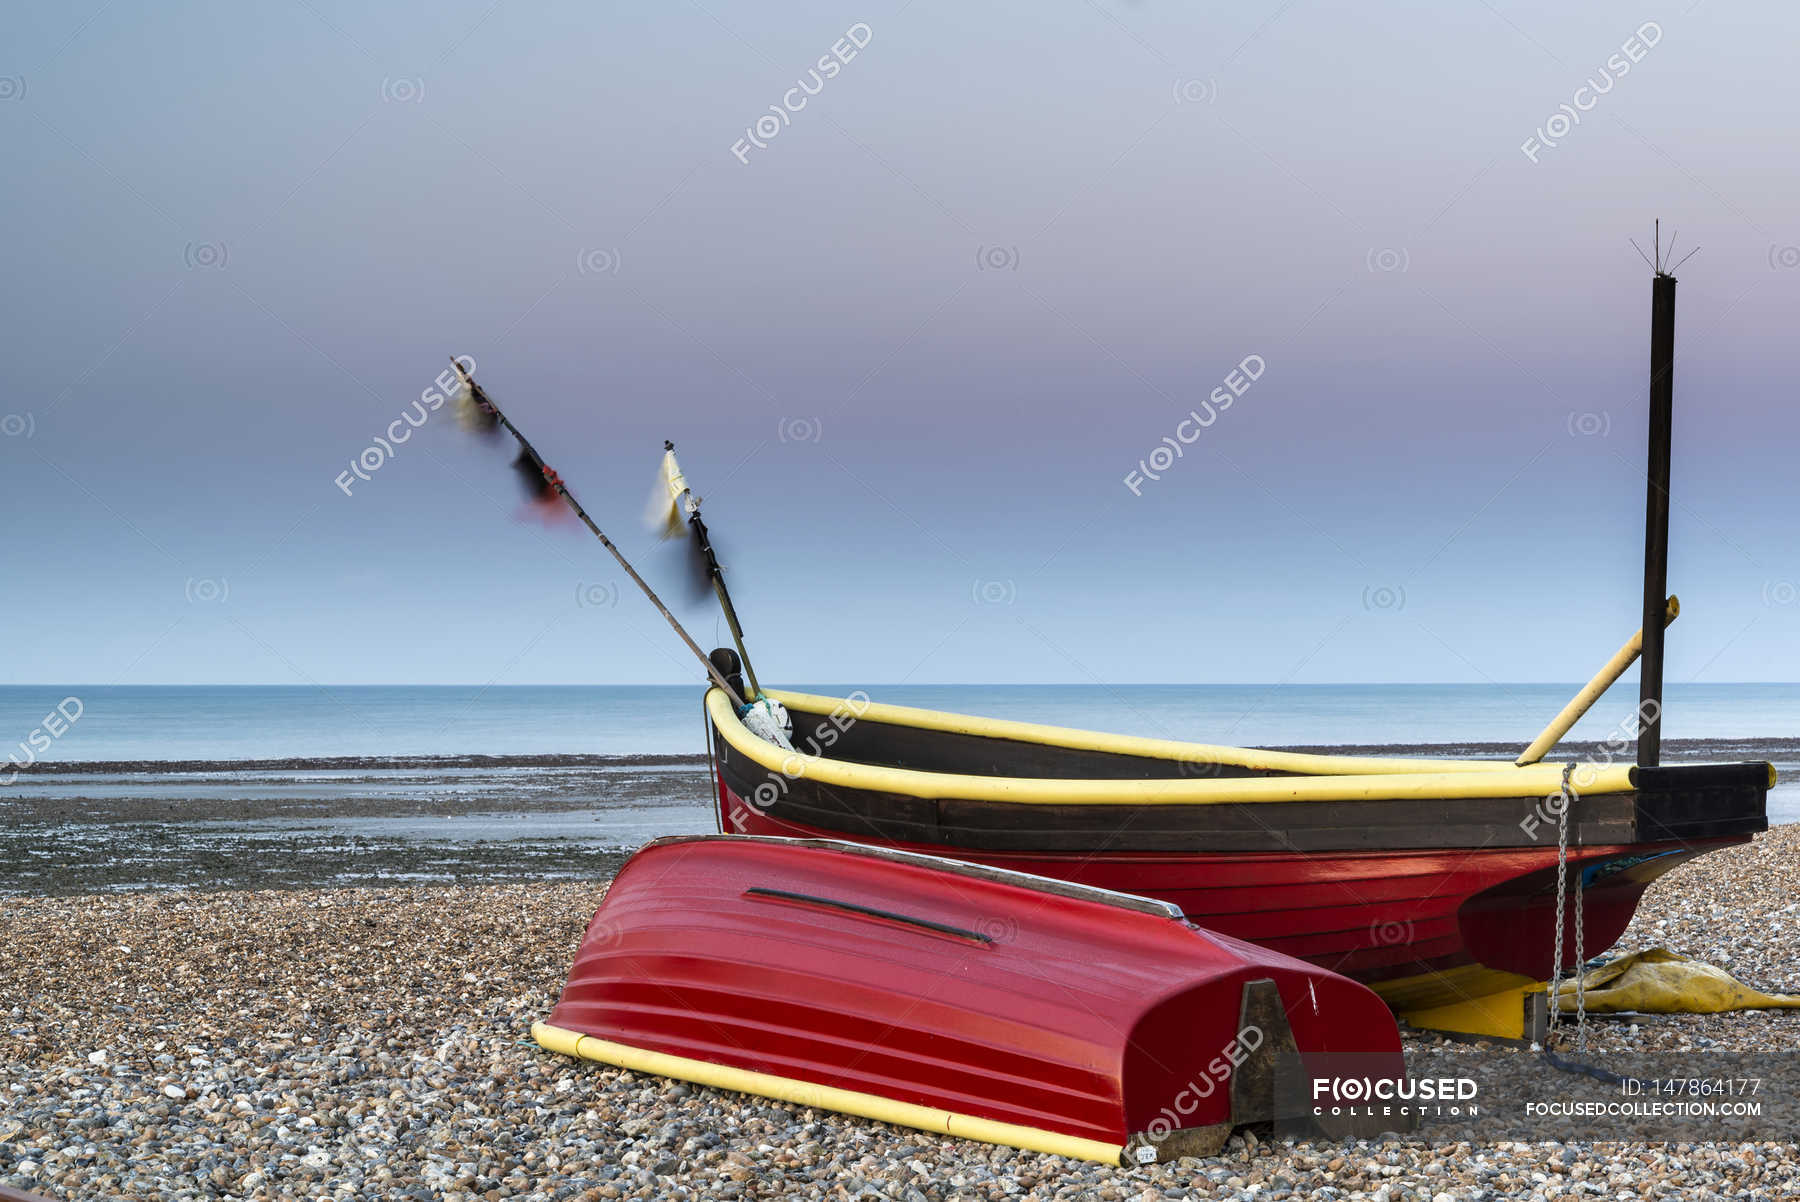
<point x="1374" y="783"/>
<point x="1299" y="762"/>
<point x="825" y="1097"/>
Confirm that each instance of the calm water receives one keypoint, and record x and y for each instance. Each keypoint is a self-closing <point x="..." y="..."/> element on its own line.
<point x="257" y="722"/>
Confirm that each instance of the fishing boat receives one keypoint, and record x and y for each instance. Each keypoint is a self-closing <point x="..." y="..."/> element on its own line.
<point x="955" y="998"/>
<point x="1442" y="884"/>
<point x="1432" y="881"/>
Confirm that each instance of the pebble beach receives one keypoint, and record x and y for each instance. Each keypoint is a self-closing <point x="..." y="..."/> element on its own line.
<point x="374" y="1043"/>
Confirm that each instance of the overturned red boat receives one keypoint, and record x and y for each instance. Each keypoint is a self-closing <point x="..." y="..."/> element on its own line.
<point x="951" y="997"/>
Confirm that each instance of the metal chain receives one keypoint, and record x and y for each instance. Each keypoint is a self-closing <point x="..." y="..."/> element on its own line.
<point x="1562" y="892"/>
<point x="1562" y="878"/>
<point x="1580" y="953"/>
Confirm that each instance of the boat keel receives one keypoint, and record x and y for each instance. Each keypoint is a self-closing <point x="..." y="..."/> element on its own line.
<point x="1518" y="1014"/>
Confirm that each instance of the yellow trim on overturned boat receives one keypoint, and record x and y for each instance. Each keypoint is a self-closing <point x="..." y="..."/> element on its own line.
<point x="1371" y="783"/>
<point x="824" y="1097"/>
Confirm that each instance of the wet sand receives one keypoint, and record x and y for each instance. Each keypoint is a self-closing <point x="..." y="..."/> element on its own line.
<point x="212" y="790"/>
<point x="304" y="824"/>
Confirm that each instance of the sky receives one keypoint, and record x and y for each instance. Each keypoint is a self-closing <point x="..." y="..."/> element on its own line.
<point x="913" y="335"/>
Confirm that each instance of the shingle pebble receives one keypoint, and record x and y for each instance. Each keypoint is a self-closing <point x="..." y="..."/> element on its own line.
<point x="373" y="1043"/>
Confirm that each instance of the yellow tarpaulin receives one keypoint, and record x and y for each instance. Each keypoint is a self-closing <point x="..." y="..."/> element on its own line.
<point x="1660" y="982"/>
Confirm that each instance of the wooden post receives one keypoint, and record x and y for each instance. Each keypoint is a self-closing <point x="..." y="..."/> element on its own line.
<point x="1656" y="516"/>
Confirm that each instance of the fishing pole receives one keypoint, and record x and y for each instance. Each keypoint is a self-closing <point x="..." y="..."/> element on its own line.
<point x="715" y="574"/>
<point x="484" y="416"/>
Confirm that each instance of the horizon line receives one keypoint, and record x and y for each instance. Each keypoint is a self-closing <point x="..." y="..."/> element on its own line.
<point x="935" y="684"/>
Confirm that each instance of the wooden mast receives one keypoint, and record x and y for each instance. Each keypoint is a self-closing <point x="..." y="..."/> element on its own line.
<point x="1656" y="510"/>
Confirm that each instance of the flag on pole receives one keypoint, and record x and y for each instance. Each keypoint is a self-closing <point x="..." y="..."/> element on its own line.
<point x="671" y="501"/>
<point x="474" y="412"/>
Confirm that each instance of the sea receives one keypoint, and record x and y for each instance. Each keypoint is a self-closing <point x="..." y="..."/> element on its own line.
<point x="124" y="723"/>
<point x="178" y="786"/>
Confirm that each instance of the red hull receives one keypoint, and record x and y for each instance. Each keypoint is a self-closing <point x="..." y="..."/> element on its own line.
<point x="939" y="985"/>
<point x="1397" y="920"/>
